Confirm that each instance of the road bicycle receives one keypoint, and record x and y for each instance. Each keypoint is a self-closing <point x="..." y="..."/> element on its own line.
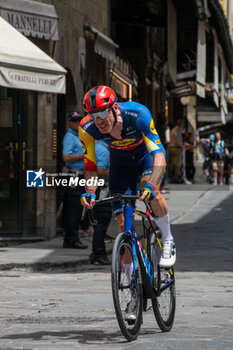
<point x="146" y="279"/>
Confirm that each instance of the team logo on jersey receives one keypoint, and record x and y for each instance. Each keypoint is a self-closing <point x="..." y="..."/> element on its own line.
<point x="123" y="143"/>
<point x="84" y="147"/>
<point x="152" y="127"/>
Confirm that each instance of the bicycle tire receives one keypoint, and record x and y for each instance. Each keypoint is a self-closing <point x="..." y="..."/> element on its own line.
<point x="164" y="305"/>
<point x="121" y="294"/>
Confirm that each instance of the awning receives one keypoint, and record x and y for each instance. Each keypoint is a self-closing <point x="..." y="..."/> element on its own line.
<point x="103" y="45"/>
<point x="184" y="89"/>
<point x="24" y="66"/>
<point x="212" y="117"/>
<point x="216" y="72"/>
<point x="172" y="41"/>
<point x="31" y="18"/>
<point x="201" y="59"/>
<point x="224" y="109"/>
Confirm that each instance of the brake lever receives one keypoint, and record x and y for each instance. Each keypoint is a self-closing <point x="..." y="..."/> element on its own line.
<point x="88" y="199"/>
<point x="147" y="204"/>
<point x="89" y="211"/>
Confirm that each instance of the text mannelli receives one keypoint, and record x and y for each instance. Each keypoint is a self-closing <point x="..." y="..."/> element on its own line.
<point x="30" y="23"/>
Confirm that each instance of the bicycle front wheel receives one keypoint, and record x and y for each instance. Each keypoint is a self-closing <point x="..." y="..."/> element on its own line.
<point x="164" y="304"/>
<point x="125" y="286"/>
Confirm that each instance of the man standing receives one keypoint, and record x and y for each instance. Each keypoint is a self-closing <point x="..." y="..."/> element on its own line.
<point x="207" y="165"/>
<point x="218" y="152"/>
<point x="102" y="213"/>
<point x="72" y="208"/>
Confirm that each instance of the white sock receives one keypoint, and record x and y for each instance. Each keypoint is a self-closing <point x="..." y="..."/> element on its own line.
<point x="128" y="270"/>
<point x="163" y="224"/>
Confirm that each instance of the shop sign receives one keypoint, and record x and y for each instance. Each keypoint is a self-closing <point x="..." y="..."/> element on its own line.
<point x="21" y="79"/>
<point x="32" y="25"/>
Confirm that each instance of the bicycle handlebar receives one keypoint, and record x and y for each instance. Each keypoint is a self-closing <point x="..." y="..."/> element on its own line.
<point x="126" y="198"/>
<point x="114" y="198"/>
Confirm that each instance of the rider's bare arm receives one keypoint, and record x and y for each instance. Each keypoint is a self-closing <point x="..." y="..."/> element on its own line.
<point x="159" y="167"/>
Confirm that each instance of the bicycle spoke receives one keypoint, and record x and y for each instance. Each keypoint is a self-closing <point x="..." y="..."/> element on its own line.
<point x="164" y="283"/>
<point x="129" y="318"/>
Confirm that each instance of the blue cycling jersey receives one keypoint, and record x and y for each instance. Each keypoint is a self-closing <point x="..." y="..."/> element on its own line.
<point x="138" y="135"/>
<point x="130" y="157"/>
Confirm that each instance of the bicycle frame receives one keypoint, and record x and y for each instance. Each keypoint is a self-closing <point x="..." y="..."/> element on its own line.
<point x="138" y="249"/>
<point x="144" y="254"/>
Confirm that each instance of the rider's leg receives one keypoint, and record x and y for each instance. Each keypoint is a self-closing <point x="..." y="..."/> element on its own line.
<point x="126" y="259"/>
<point x="160" y="209"/>
<point x="120" y="222"/>
<point x="125" y="182"/>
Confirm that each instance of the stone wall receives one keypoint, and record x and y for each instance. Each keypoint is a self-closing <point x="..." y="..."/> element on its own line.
<point x="46" y="196"/>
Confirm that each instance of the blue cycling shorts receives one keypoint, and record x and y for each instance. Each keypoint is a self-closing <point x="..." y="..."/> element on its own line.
<point x="126" y="170"/>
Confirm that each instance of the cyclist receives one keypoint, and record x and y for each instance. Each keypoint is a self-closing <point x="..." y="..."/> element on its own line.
<point x="135" y="151"/>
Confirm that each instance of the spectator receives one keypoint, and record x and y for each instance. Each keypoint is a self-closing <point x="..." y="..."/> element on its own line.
<point x="72" y="208"/>
<point x="175" y="152"/>
<point x="164" y="135"/>
<point x="207" y="165"/>
<point x="218" y="153"/>
<point x="102" y="213"/>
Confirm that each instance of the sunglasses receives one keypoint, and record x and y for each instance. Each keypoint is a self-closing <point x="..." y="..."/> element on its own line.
<point x="100" y="114"/>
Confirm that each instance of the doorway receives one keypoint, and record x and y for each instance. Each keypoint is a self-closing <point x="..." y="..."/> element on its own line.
<point x="18" y="130"/>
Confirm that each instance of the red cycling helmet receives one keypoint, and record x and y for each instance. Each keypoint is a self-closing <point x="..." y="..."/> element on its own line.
<point x="99" y="97"/>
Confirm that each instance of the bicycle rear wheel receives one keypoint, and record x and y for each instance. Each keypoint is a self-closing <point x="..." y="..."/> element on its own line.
<point x="123" y="290"/>
<point x="164" y="304"/>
